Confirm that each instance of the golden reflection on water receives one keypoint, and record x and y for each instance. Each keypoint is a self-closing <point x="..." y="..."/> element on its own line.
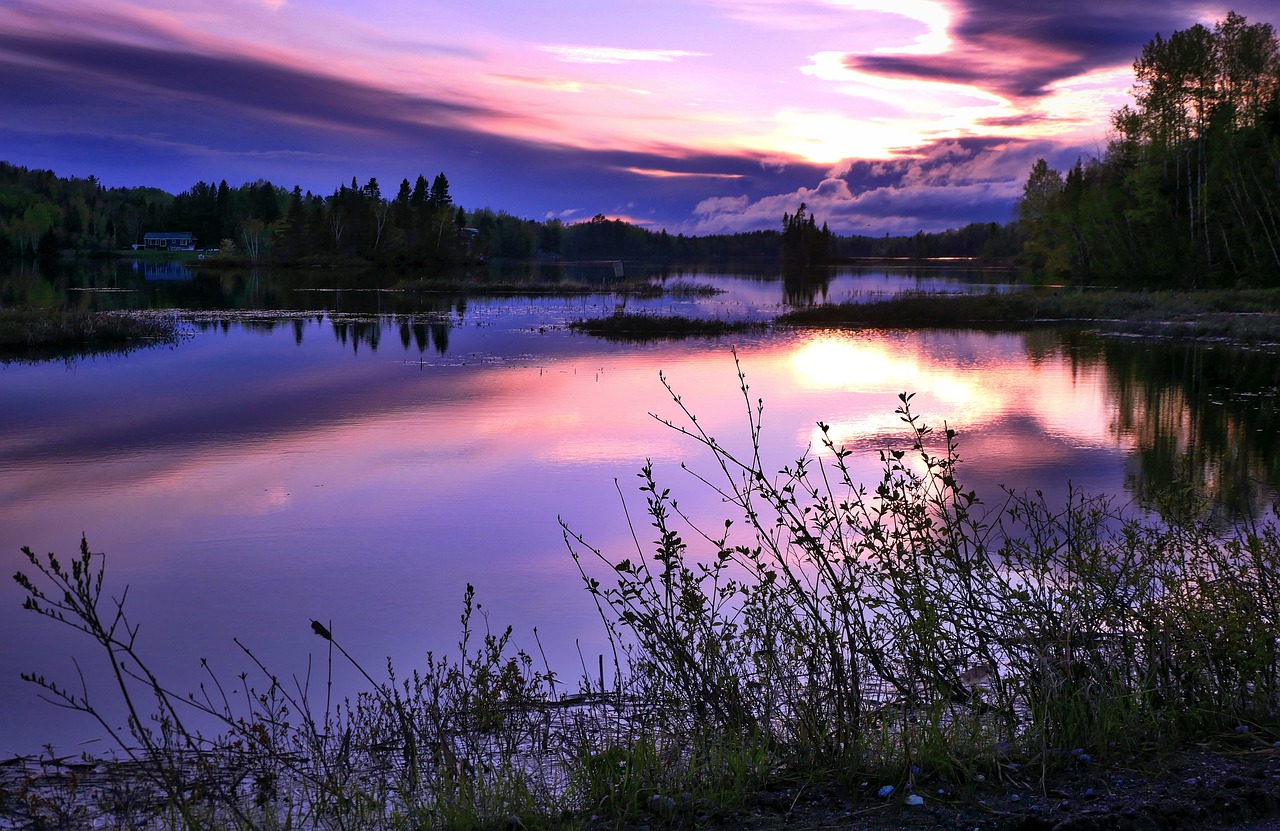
<point x="967" y="382"/>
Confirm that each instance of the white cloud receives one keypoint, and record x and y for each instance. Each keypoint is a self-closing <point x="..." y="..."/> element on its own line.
<point x="945" y="185"/>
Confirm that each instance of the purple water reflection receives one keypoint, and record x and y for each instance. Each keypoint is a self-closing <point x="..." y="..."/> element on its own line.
<point x="243" y="484"/>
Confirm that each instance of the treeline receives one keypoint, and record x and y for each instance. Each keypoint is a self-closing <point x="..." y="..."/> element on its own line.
<point x="981" y="240"/>
<point x="47" y="217"/>
<point x="1187" y="192"/>
<point x="504" y="236"/>
<point x="42" y="214"/>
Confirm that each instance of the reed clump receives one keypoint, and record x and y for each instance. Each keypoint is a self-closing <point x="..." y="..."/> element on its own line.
<point x="626" y="326"/>
<point x="902" y="631"/>
<point x="29" y="328"/>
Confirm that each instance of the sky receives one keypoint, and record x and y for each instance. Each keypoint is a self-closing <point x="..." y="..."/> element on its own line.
<point x="693" y="116"/>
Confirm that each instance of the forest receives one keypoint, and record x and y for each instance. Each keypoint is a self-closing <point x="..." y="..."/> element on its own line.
<point x="47" y="217"/>
<point x="1187" y="191"/>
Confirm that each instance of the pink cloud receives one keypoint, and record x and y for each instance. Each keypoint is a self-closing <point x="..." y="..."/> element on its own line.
<point x="941" y="186"/>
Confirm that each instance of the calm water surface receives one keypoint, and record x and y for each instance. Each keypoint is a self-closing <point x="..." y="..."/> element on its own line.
<point x="363" y="470"/>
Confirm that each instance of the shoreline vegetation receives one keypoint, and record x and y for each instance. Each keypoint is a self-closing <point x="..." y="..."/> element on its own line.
<point x="640" y="327"/>
<point x="1247" y="317"/>
<point x="907" y="653"/>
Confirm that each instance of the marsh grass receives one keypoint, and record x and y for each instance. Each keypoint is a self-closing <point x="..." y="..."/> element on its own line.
<point x="1242" y="314"/>
<point x="642" y="326"/>
<point x="28" y="330"/>
<point x="828" y="630"/>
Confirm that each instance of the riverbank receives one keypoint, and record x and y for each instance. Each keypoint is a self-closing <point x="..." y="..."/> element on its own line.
<point x="1230" y="788"/>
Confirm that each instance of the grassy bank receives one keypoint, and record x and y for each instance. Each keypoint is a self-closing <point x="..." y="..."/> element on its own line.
<point x="1247" y="315"/>
<point x="899" y="641"/>
<point x="26" y="331"/>
<point x="640" y="326"/>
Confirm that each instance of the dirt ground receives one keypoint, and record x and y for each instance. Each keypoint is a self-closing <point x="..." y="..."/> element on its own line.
<point x="1233" y="790"/>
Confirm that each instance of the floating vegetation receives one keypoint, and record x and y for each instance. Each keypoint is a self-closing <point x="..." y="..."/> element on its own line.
<point x="35" y="334"/>
<point x="633" y="326"/>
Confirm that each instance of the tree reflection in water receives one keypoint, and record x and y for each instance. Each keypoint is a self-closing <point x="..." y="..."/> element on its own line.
<point x="1202" y="416"/>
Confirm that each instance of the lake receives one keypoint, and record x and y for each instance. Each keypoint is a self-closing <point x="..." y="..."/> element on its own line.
<point x="316" y="449"/>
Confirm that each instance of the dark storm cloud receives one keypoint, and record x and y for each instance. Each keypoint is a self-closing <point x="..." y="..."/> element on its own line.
<point x="1022" y="120"/>
<point x="228" y="81"/>
<point x="1018" y="49"/>
<point x="164" y="117"/>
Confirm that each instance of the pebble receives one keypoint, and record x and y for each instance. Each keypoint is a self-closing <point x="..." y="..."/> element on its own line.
<point x="660" y="803"/>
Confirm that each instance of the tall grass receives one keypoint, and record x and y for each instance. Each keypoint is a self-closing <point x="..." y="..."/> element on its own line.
<point x="827" y="630"/>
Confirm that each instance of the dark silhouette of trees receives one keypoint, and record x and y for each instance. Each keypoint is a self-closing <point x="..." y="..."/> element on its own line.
<point x="1188" y="190"/>
<point x="803" y="244"/>
<point x="419" y="228"/>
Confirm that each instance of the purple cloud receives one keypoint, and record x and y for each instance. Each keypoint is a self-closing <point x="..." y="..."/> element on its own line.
<point x="1018" y="49"/>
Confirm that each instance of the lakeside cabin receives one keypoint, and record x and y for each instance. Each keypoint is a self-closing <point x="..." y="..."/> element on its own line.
<point x="169" y="241"/>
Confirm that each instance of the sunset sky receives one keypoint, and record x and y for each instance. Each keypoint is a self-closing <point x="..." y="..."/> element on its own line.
<point x="698" y="116"/>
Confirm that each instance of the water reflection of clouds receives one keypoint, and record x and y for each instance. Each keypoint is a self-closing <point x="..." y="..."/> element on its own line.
<point x="339" y="470"/>
<point x="830" y="362"/>
<point x="970" y="383"/>
<point x="889" y="367"/>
